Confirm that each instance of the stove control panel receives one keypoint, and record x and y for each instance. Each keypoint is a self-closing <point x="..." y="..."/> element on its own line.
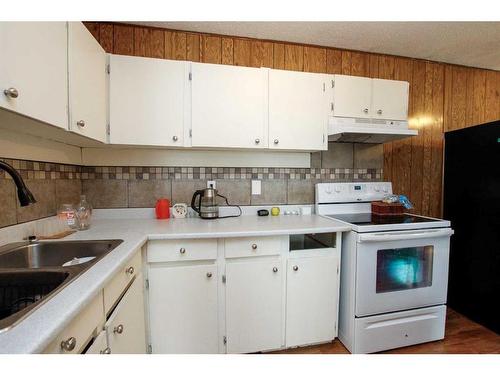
<point x="352" y="191"/>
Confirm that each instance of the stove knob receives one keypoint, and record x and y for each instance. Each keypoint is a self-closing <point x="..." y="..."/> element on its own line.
<point x="337" y="189"/>
<point x="377" y="188"/>
<point x="386" y="189"/>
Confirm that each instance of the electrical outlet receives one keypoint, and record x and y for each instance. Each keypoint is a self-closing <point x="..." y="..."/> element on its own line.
<point x="256" y="187"/>
<point x="211" y="184"/>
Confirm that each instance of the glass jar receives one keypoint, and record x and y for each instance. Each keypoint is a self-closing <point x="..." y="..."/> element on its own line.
<point x="83" y="213"/>
<point x="67" y="215"/>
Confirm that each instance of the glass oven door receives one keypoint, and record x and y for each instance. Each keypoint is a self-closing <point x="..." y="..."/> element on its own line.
<point x="401" y="270"/>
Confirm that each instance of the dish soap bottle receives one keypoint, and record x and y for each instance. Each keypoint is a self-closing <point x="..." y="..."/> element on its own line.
<point x="83" y="213"/>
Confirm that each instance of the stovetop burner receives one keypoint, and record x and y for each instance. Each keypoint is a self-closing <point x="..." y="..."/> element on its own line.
<point x="369" y="219"/>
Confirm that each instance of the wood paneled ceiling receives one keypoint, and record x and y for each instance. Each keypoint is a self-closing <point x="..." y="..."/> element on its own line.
<point x="475" y="44"/>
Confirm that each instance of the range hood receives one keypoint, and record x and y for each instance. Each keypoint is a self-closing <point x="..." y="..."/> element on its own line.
<point x="360" y="130"/>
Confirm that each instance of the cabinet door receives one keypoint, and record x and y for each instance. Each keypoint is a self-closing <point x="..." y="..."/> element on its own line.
<point x="126" y="326"/>
<point x="100" y="345"/>
<point x="87" y="83"/>
<point x="229" y="106"/>
<point x="254" y="305"/>
<point x="298" y="110"/>
<point x="312" y="300"/>
<point x="390" y="99"/>
<point x="34" y="63"/>
<point x="147" y="101"/>
<point x="183" y="309"/>
<point x="352" y="96"/>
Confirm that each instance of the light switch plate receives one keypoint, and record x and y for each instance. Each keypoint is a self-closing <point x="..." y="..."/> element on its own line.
<point x="256" y="187"/>
<point x="211" y="184"/>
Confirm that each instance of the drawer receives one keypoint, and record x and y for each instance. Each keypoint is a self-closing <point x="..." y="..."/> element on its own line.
<point x="114" y="289"/>
<point x="100" y="345"/>
<point x="179" y="250"/>
<point x="388" y="331"/>
<point x="80" y="330"/>
<point x="252" y="246"/>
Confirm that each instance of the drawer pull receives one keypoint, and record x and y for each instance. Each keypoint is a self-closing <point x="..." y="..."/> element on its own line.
<point x="11" y="92"/>
<point x="182" y="250"/>
<point x="295" y="268"/>
<point x="130" y="270"/>
<point x="69" y="344"/>
<point x="106" y="351"/>
<point x="275" y="269"/>
<point x="254" y="246"/>
<point x="118" y="329"/>
<point x="209" y="274"/>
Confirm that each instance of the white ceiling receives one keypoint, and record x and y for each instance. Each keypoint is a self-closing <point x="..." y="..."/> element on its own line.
<point x="464" y="43"/>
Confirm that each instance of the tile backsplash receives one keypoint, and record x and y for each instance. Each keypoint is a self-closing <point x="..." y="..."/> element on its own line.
<point x="121" y="187"/>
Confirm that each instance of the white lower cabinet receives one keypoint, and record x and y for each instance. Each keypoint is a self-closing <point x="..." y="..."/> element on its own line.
<point x="183" y="308"/>
<point x="312" y="300"/>
<point x="254" y="305"/>
<point x="125" y="327"/>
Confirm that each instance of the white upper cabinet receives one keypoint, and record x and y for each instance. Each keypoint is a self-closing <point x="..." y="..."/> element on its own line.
<point x="87" y="83"/>
<point x="298" y="110"/>
<point x="33" y="70"/>
<point x="146" y="99"/>
<point x="352" y="96"/>
<point x="390" y="99"/>
<point x="229" y="106"/>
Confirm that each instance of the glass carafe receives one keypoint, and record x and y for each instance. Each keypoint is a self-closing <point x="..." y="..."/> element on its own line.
<point x="83" y="213"/>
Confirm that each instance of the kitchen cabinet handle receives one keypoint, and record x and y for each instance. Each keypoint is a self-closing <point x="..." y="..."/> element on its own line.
<point x="254" y="246"/>
<point x="69" y="344"/>
<point x="11" y="92"/>
<point x="365" y="110"/>
<point x="275" y="269"/>
<point x="175" y="138"/>
<point x="276" y="141"/>
<point x="209" y="274"/>
<point x="118" y="329"/>
<point x="81" y="123"/>
<point x="295" y="268"/>
<point x="257" y="141"/>
<point x="379" y="111"/>
<point x="182" y="250"/>
<point x="106" y="351"/>
<point x="130" y="270"/>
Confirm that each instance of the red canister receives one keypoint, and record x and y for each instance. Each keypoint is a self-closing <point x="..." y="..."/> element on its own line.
<point x="162" y="209"/>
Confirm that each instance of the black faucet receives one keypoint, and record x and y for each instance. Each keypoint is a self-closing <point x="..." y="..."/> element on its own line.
<point x="25" y="196"/>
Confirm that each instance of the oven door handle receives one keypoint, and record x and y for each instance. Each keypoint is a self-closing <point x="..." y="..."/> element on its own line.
<point x="405" y="235"/>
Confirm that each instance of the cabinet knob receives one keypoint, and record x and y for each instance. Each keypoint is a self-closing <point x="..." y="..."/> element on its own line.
<point x="69" y="344"/>
<point x="295" y="268"/>
<point x="11" y="92"/>
<point x="175" y="138"/>
<point x="275" y="269"/>
<point x="257" y="141"/>
<point x="365" y="110"/>
<point x="106" y="351"/>
<point x="254" y="246"/>
<point x="130" y="270"/>
<point x="182" y="250"/>
<point x="81" y="123"/>
<point x="379" y="111"/>
<point x="209" y="274"/>
<point x="118" y="329"/>
<point x="276" y="141"/>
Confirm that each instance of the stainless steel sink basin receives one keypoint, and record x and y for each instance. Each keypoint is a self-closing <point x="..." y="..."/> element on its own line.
<point x="31" y="273"/>
<point x="52" y="254"/>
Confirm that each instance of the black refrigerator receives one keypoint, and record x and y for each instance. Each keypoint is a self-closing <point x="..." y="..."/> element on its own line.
<point x="472" y="204"/>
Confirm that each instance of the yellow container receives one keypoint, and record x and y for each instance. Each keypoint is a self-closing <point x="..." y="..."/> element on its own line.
<point x="275" y="211"/>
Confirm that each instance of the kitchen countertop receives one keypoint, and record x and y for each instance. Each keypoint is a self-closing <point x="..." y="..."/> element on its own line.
<point x="39" y="328"/>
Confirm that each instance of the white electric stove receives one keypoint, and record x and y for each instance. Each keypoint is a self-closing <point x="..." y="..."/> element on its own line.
<point x="394" y="272"/>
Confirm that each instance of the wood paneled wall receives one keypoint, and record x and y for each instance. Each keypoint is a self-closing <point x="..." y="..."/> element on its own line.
<point x="443" y="97"/>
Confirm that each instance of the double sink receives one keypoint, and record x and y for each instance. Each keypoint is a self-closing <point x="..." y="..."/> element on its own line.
<point x="31" y="273"/>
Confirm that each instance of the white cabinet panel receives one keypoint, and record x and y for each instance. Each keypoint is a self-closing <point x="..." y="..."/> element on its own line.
<point x="254" y="305"/>
<point x="229" y="106"/>
<point x="183" y="309"/>
<point x="147" y="99"/>
<point x="34" y="62"/>
<point x="390" y="99"/>
<point x="126" y="326"/>
<point x="312" y="299"/>
<point x="352" y="96"/>
<point x="87" y="83"/>
<point x="298" y="110"/>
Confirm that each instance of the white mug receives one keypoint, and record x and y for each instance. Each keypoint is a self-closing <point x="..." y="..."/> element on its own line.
<point x="179" y="210"/>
